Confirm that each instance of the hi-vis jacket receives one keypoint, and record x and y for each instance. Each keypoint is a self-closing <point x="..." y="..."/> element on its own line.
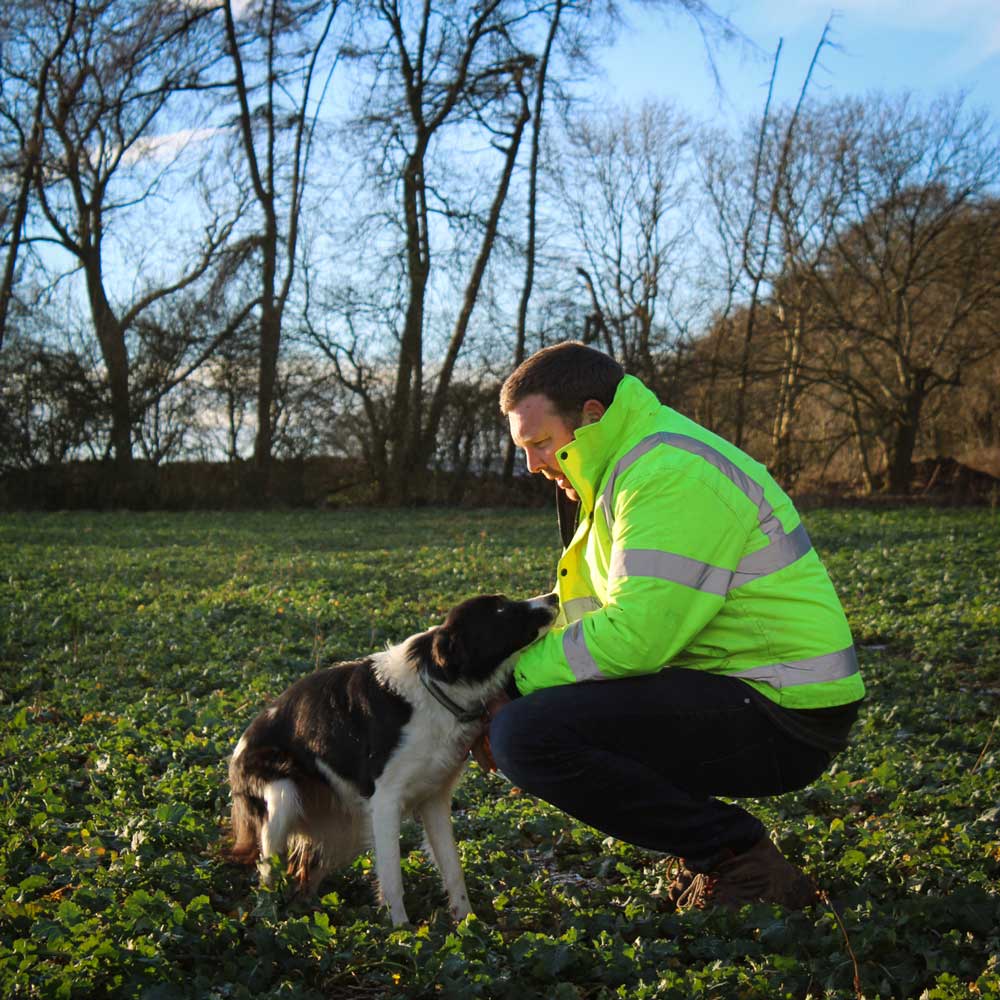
<point x="688" y="554"/>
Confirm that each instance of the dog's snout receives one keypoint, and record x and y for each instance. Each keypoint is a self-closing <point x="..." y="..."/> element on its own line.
<point x="546" y="602"/>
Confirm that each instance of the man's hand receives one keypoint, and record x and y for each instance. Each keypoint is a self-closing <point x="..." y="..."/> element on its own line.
<point x="481" y="747"/>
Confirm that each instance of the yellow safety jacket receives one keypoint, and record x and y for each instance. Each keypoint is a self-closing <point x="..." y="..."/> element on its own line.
<point x="688" y="554"/>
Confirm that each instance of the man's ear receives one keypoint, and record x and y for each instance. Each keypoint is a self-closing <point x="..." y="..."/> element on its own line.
<point x="448" y="653"/>
<point x="593" y="410"/>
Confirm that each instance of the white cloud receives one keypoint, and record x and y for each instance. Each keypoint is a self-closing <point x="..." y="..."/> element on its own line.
<point x="157" y="148"/>
<point x="240" y="7"/>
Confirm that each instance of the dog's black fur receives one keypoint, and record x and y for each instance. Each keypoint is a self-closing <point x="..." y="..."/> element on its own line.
<point x="287" y="742"/>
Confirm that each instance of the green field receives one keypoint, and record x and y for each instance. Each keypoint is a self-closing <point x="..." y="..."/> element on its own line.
<point x="135" y="648"/>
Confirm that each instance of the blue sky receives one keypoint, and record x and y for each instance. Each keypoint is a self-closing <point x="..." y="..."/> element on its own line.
<point x="927" y="46"/>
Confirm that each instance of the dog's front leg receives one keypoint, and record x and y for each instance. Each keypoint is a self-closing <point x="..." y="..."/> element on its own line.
<point x="386" y="814"/>
<point x="435" y="814"/>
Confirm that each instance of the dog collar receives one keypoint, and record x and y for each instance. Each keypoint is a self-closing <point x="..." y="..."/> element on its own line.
<point x="461" y="714"/>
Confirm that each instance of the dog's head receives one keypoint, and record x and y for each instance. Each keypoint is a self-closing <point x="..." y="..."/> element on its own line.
<point x="480" y="634"/>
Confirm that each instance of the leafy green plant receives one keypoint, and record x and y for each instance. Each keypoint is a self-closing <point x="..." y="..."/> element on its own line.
<point x="134" y="648"/>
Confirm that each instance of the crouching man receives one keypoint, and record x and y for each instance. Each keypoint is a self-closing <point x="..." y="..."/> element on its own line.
<point x="701" y="650"/>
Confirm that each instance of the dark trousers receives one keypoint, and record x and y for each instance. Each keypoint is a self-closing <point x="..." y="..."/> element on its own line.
<point x="642" y="758"/>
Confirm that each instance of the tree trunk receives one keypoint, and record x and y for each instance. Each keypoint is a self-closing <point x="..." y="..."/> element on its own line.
<point x="867" y="478"/>
<point x="784" y="411"/>
<point x="900" y="472"/>
<point x="114" y="353"/>
<point x="268" y="119"/>
<point x="267" y="377"/>
<point x="423" y="453"/>
<point x="406" y="415"/>
<point x="16" y="229"/>
<point x="270" y="343"/>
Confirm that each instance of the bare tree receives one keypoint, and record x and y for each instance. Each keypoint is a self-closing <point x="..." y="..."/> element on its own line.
<point x="871" y="274"/>
<point x="24" y="84"/>
<point x="538" y="108"/>
<point x="278" y="51"/>
<point x="812" y="160"/>
<point x="432" y="72"/>
<point x="50" y="404"/>
<point x="910" y="289"/>
<point x="965" y="421"/>
<point x="118" y="68"/>
<point x="624" y="192"/>
<point x="760" y="235"/>
<point x="448" y="92"/>
<point x="577" y="30"/>
<point x="230" y="392"/>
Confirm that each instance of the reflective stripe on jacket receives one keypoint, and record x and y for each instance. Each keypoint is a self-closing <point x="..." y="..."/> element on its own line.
<point x="688" y="554"/>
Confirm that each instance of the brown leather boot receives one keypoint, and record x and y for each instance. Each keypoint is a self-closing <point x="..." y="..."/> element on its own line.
<point x="760" y="875"/>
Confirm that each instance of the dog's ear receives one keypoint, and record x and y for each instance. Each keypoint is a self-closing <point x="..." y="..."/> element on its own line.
<point x="448" y="652"/>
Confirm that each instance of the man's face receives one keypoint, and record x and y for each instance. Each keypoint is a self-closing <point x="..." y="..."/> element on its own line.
<point x="542" y="432"/>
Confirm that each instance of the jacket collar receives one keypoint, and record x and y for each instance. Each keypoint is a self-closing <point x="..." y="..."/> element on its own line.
<point x="593" y="447"/>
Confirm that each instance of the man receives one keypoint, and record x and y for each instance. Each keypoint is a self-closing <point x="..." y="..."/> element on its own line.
<point x="701" y="650"/>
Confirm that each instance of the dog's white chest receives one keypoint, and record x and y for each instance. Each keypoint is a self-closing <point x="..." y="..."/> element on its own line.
<point x="427" y="758"/>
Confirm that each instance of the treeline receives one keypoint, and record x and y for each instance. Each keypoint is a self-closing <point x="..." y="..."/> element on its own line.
<point x="279" y="231"/>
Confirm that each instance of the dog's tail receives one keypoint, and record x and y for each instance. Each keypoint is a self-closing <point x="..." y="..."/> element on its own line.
<point x="246" y="823"/>
<point x="248" y="813"/>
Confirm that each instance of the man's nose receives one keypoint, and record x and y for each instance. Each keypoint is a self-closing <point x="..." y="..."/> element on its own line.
<point x="533" y="460"/>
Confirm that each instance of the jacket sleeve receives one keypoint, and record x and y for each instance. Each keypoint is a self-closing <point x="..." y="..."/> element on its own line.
<point x="677" y="537"/>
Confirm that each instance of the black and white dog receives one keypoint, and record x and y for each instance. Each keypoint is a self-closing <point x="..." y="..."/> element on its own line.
<point x="333" y="764"/>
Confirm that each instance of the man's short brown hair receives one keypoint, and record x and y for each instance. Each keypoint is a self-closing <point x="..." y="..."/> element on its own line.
<point x="567" y="374"/>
